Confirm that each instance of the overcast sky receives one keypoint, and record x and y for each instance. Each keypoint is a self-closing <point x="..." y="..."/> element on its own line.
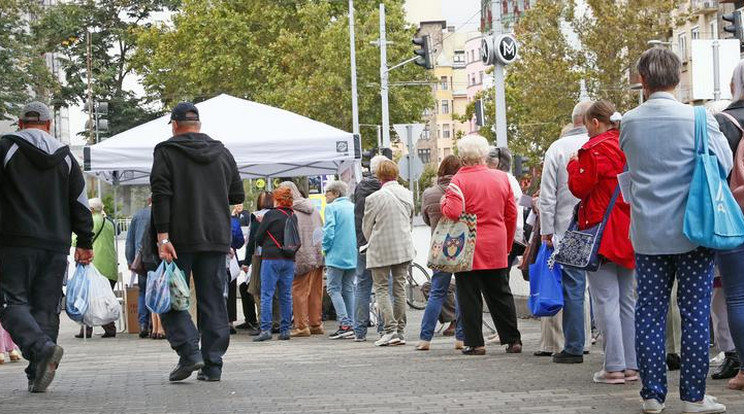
<point x="458" y="12"/>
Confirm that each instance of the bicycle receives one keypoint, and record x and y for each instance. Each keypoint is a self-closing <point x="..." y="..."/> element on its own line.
<point x="415" y="278"/>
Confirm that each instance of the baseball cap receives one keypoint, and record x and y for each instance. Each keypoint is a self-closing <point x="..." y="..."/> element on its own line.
<point x="35" y="112"/>
<point x="181" y="112"/>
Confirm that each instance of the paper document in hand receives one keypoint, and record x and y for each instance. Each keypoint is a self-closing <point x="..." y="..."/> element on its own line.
<point x="625" y="185"/>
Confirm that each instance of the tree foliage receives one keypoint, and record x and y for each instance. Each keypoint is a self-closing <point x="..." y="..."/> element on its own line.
<point x="23" y="71"/>
<point x="289" y="54"/>
<point x="112" y="24"/>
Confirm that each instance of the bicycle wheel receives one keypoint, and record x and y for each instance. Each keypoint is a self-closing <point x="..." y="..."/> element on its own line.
<point x="416" y="277"/>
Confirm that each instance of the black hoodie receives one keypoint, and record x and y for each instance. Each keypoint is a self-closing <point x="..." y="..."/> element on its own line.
<point x="365" y="188"/>
<point x="194" y="182"/>
<point x="42" y="194"/>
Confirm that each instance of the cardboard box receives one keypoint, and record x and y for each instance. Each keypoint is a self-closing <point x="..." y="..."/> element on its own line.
<point x="133" y="310"/>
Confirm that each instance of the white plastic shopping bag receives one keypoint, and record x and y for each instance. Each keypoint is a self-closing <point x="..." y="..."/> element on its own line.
<point x="103" y="307"/>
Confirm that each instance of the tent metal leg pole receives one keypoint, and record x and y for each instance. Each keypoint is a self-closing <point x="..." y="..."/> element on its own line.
<point x="119" y="277"/>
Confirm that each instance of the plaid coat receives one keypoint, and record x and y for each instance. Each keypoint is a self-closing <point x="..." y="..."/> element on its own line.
<point x="387" y="225"/>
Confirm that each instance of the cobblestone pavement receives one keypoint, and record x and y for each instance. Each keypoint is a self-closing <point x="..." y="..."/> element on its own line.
<point x="317" y="375"/>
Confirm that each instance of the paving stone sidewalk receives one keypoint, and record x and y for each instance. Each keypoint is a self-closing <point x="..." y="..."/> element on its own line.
<point x="317" y="375"/>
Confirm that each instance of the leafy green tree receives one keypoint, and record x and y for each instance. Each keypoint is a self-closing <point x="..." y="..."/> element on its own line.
<point x="112" y="24"/>
<point x="23" y="71"/>
<point x="293" y="55"/>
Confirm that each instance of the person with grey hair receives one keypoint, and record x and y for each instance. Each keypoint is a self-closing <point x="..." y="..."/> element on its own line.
<point x="476" y="189"/>
<point x="556" y="206"/>
<point x="341" y="256"/>
<point x="43" y="201"/>
<point x="363" y="280"/>
<point x="658" y="138"/>
<point x="731" y="263"/>
<point x="500" y="158"/>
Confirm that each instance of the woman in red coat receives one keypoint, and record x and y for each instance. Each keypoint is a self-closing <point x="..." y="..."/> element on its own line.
<point x="489" y="196"/>
<point x="593" y="179"/>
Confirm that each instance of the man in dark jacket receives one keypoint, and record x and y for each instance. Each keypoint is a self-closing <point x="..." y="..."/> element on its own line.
<point x="135" y="235"/>
<point x="42" y="202"/>
<point x="194" y="181"/>
<point x="363" y="285"/>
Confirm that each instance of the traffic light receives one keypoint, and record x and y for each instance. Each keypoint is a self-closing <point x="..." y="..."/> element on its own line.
<point x="424" y="53"/>
<point x="520" y="166"/>
<point x="735" y="26"/>
<point x="480" y="116"/>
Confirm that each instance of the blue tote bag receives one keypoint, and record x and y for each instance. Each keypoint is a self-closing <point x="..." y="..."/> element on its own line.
<point x="546" y="290"/>
<point x="713" y="218"/>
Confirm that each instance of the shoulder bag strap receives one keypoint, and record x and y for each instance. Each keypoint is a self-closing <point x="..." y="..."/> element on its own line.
<point x="613" y="200"/>
<point x="733" y="121"/>
<point x="701" y="130"/>
<point x="98" y="233"/>
<point x="458" y="191"/>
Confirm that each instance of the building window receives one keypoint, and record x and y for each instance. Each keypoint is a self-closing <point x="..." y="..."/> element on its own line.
<point x="443" y="84"/>
<point x="695" y="33"/>
<point x="446" y="131"/>
<point x="425" y="155"/>
<point x="445" y="107"/>
<point x="714" y="29"/>
<point x="481" y="76"/>
<point x="437" y="107"/>
<point x="427" y="132"/>
<point x="682" y="46"/>
<point x="459" y="57"/>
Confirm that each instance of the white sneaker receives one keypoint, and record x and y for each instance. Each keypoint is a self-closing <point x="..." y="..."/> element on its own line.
<point x="401" y="339"/>
<point x="709" y="405"/>
<point x="652" y="406"/>
<point x="717" y="361"/>
<point x="388" y="339"/>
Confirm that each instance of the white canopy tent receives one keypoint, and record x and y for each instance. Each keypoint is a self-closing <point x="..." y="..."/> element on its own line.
<point x="265" y="141"/>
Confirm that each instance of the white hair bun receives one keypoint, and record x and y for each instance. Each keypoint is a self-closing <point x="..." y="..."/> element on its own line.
<point x="616" y="117"/>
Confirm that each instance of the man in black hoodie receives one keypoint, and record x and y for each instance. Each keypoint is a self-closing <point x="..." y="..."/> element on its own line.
<point x="363" y="283"/>
<point x="194" y="181"/>
<point x="42" y="202"/>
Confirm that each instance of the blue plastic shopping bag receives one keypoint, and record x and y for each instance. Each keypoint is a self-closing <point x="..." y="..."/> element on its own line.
<point x="78" y="290"/>
<point x="157" y="296"/>
<point x="713" y="218"/>
<point x="546" y="291"/>
<point x="179" y="289"/>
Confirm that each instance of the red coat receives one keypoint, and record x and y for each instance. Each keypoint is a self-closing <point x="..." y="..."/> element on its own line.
<point x="489" y="195"/>
<point x="593" y="179"/>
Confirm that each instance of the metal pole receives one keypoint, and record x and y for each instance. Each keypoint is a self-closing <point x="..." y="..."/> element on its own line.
<point x="384" y="81"/>
<point x="100" y="195"/>
<point x="352" y="46"/>
<point x="716" y="72"/>
<point x="409" y="136"/>
<point x="498" y="79"/>
<point x="379" y="136"/>
<point x="89" y="65"/>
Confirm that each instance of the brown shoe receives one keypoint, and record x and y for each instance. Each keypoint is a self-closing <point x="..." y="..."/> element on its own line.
<point x="450" y="331"/>
<point x="423" y="346"/>
<point x="737" y="383"/>
<point x="515" y="348"/>
<point x="300" y="333"/>
<point x="459" y="344"/>
<point x="317" y="330"/>
<point x="470" y="350"/>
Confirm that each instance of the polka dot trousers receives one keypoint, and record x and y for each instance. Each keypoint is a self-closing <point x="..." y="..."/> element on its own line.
<point x="656" y="274"/>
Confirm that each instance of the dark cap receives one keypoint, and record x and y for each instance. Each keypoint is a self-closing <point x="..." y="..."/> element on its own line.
<point x="35" y="112"/>
<point x="184" y="111"/>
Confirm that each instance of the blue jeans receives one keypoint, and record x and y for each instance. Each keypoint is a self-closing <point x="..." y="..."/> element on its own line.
<point x="574" y="291"/>
<point x="142" y="311"/>
<point x="440" y="283"/>
<point x="362" y="297"/>
<point x="731" y="266"/>
<point x="656" y="274"/>
<point x="340" y="286"/>
<point x="276" y="274"/>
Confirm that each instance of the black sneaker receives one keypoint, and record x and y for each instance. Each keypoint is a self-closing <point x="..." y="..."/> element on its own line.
<point x="284" y="336"/>
<point x="46" y="366"/>
<point x="263" y="336"/>
<point x="201" y="376"/>
<point x="342" y="333"/>
<point x="564" y="357"/>
<point x="184" y="369"/>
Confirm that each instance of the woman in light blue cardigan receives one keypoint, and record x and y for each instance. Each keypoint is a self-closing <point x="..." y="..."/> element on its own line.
<point x="658" y="139"/>
<point x="339" y="246"/>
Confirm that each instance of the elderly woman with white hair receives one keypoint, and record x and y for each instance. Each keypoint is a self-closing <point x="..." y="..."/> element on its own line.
<point x="105" y="259"/>
<point x="731" y="263"/>
<point x="487" y="194"/>
<point x="339" y="246"/>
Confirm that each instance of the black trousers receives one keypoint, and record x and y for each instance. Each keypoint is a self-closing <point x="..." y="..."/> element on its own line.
<point x="209" y="279"/>
<point x="493" y="285"/>
<point x="249" y="305"/>
<point x="232" y="299"/>
<point x="30" y="297"/>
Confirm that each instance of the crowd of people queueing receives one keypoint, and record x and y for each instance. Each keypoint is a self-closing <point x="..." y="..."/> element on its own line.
<point x="365" y="244"/>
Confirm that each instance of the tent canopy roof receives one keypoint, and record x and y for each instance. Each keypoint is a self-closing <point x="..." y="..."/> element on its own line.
<point x="265" y="142"/>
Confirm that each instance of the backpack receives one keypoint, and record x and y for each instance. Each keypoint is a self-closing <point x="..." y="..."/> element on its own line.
<point x="291" y="238"/>
<point x="737" y="174"/>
